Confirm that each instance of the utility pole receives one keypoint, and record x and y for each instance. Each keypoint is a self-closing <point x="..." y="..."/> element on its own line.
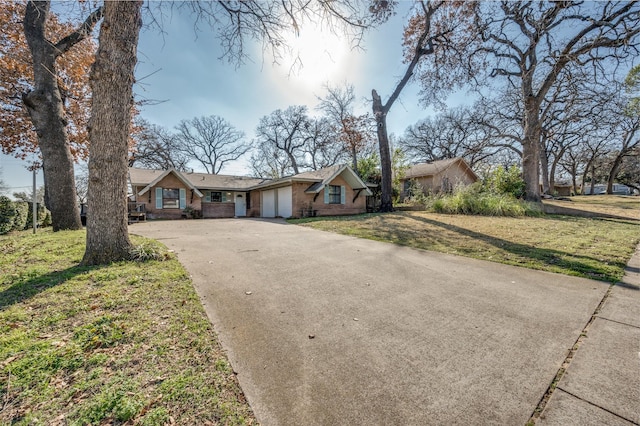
<point x="34" y="202"/>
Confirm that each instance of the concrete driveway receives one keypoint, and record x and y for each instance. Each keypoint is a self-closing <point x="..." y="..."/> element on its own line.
<point x="325" y="329"/>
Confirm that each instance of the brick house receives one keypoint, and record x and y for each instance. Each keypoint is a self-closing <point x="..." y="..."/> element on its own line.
<point x="170" y="194"/>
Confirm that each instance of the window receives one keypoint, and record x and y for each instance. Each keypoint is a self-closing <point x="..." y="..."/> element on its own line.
<point x="334" y="194"/>
<point x="218" y="197"/>
<point x="170" y="198"/>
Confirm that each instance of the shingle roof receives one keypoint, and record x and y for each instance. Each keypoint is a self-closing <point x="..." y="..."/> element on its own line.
<point x="204" y="181"/>
<point x="139" y="177"/>
<point x="320" y="175"/>
<point x="433" y="168"/>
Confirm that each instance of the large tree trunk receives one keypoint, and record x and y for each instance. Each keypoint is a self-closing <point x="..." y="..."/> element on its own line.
<point x="111" y="80"/>
<point x="45" y="107"/>
<point x="544" y="173"/>
<point x="615" y="167"/>
<point x="385" y="153"/>
<point x="531" y="151"/>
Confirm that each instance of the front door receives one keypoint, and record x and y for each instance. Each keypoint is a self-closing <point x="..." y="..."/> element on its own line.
<point x="241" y="205"/>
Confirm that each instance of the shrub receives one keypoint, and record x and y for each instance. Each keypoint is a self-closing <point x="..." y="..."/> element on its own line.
<point x="148" y="251"/>
<point x="7" y="214"/>
<point x="22" y="212"/>
<point x="474" y="199"/>
<point x="506" y="181"/>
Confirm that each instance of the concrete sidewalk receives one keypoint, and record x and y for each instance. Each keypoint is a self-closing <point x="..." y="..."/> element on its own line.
<point x="325" y="329"/>
<point x="601" y="385"/>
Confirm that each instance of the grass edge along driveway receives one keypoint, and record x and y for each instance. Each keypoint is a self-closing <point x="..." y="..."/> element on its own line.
<point x="127" y="343"/>
<point x="585" y="247"/>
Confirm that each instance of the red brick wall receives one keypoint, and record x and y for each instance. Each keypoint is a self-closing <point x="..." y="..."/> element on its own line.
<point x="149" y="198"/>
<point x="218" y="210"/>
<point x="303" y="201"/>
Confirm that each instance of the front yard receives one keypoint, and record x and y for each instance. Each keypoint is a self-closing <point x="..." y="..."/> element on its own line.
<point x="127" y="343"/>
<point x="597" y="248"/>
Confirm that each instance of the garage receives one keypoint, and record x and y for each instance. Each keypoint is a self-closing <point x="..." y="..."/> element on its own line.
<point x="284" y="200"/>
<point x="268" y="203"/>
<point x="277" y="202"/>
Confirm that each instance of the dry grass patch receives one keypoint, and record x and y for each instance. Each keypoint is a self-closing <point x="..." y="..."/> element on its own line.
<point x="127" y="343"/>
<point x="623" y="206"/>
<point x="591" y="248"/>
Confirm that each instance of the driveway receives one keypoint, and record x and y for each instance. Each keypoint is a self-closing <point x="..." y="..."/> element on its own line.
<point x="325" y="329"/>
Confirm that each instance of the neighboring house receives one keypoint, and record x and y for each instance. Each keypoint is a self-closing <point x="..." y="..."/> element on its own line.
<point x="438" y="176"/>
<point x="170" y="194"/>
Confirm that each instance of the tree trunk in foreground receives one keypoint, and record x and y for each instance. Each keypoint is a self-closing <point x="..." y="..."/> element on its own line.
<point x="111" y="80"/>
<point x="45" y="107"/>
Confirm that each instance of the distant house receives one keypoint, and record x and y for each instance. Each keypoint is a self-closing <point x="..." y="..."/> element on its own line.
<point x="170" y="194"/>
<point x="438" y="176"/>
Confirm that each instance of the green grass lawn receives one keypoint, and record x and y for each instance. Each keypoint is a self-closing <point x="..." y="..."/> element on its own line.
<point x="127" y="343"/>
<point x="586" y="247"/>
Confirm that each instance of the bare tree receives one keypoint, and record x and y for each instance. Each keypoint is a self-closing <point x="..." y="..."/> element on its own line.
<point x="627" y="136"/>
<point x="285" y="131"/>
<point x="355" y="132"/>
<point x="457" y="132"/>
<point x="530" y="44"/>
<point x="438" y="29"/>
<point x="111" y="82"/>
<point x="321" y="146"/>
<point x="45" y="106"/>
<point x="212" y="141"/>
<point x="156" y="148"/>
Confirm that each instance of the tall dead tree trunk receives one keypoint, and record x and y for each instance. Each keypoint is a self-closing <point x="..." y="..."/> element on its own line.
<point x="424" y="46"/>
<point x="112" y="79"/>
<point x="380" y="114"/>
<point x="45" y="106"/>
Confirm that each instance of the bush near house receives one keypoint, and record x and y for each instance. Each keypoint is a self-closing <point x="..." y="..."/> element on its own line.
<point x="498" y="194"/>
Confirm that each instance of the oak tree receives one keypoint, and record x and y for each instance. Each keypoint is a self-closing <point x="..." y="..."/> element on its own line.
<point x="44" y="96"/>
<point x="530" y="45"/>
<point x="355" y="132"/>
<point x="212" y="141"/>
<point x="155" y="147"/>
<point x="109" y="129"/>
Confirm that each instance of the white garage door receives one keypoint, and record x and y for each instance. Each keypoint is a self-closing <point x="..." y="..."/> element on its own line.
<point x="285" y="208"/>
<point x="269" y="203"/>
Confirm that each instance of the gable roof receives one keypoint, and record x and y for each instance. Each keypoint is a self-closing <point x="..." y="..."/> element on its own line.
<point x="223" y="182"/>
<point x="328" y="174"/>
<point x="320" y="178"/>
<point x="437" y="167"/>
<point x="139" y="177"/>
<point x="196" y="181"/>
<point x="204" y="181"/>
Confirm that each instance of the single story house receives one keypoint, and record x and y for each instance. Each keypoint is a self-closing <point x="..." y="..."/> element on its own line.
<point x="438" y="176"/>
<point x="170" y="194"/>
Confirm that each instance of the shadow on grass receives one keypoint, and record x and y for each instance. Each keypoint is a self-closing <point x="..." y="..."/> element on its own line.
<point x="30" y="285"/>
<point x="560" y="259"/>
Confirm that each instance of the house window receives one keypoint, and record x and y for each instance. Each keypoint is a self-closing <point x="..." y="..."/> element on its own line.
<point x="170" y="198"/>
<point x="218" y="197"/>
<point x="334" y="194"/>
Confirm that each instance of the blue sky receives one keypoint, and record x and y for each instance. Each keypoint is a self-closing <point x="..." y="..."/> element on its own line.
<point x="183" y="69"/>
